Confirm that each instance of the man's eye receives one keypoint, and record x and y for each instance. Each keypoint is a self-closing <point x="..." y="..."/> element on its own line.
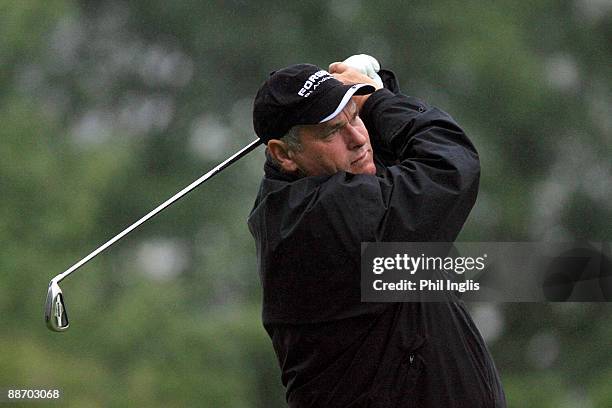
<point x="332" y="132"/>
<point x="327" y="134"/>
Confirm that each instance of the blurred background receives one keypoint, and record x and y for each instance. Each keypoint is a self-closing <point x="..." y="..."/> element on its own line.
<point x="107" y="108"/>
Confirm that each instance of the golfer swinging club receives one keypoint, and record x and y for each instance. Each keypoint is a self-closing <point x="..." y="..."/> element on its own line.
<point x="349" y="160"/>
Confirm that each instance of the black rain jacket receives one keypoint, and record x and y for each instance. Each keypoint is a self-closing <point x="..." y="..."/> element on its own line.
<point x="334" y="350"/>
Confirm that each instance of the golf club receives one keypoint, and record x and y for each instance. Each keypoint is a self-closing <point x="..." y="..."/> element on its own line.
<point x="55" y="308"/>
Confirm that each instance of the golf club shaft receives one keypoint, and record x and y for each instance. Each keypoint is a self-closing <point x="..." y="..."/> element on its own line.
<point x="244" y="151"/>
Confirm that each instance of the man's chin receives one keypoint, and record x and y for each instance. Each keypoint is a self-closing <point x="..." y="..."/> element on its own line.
<point x="366" y="168"/>
<point x="371" y="169"/>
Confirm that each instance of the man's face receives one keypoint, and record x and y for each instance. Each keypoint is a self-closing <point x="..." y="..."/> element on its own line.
<point x="340" y="144"/>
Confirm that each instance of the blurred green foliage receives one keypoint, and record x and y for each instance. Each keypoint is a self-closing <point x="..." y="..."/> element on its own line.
<point x="108" y="108"/>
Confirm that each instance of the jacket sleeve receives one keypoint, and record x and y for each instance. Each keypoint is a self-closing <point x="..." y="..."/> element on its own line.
<point x="429" y="179"/>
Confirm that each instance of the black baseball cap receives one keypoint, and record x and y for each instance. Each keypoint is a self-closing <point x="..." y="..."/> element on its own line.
<point x="301" y="94"/>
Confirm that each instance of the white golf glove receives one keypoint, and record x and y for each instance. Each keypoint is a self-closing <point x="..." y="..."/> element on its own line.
<point x="367" y="65"/>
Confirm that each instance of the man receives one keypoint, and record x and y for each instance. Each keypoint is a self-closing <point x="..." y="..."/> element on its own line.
<point x="349" y="161"/>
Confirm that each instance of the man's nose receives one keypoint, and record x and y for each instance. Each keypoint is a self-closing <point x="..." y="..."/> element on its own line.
<point x="354" y="138"/>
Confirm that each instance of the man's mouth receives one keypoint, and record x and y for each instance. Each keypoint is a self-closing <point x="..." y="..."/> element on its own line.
<point x="361" y="157"/>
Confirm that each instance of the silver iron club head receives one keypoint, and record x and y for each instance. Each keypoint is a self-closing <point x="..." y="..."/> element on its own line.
<point x="55" y="309"/>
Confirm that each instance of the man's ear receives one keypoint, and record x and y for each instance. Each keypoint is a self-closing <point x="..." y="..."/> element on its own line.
<point x="283" y="155"/>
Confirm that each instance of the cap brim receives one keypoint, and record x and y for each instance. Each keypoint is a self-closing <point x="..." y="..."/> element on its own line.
<point x="357" y="89"/>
